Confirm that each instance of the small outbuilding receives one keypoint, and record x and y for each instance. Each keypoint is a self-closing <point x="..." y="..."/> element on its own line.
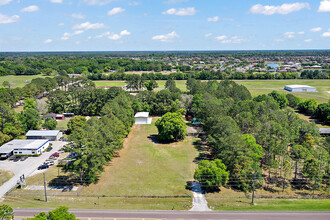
<point x="30" y="147"/>
<point x="49" y="115"/>
<point x="142" y="118"/>
<point x="300" y="88"/>
<point x="52" y="135"/>
<point x="324" y="131"/>
<point x="59" y="117"/>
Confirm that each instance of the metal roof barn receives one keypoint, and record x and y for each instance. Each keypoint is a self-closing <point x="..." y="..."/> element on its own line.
<point x="52" y="135"/>
<point x="299" y="88"/>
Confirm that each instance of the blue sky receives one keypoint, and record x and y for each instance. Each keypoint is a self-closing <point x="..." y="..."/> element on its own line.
<point x="121" y="25"/>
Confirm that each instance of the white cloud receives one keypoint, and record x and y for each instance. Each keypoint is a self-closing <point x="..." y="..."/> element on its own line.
<point x="67" y="36"/>
<point x="208" y="35"/>
<point x="181" y="11"/>
<point x="56" y="1"/>
<point x="5" y="19"/>
<point x="316" y="29"/>
<point x="282" y="9"/>
<point x="213" y="19"/>
<point x="324" y="6"/>
<point x="166" y="37"/>
<point x="78" y="16"/>
<point x="301" y="32"/>
<point x="308" y="40"/>
<point x="115" y="11"/>
<point x="98" y="2"/>
<point x="31" y="8"/>
<point x="175" y="1"/>
<point x="4" y="2"/>
<point x="289" y="34"/>
<point x="221" y="37"/>
<point x="326" y="34"/>
<point x="48" y="41"/>
<point x="232" y="40"/>
<point x="103" y="35"/>
<point x="114" y="37"/>
<point x="61" y="24"/>
<point x="88" y="25"/>
<point x="125" y="33"/>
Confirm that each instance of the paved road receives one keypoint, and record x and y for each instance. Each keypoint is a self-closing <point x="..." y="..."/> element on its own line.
<point x="199" y="201"/>
<point x="86" y="214"/>
<point x="26" y="167"/>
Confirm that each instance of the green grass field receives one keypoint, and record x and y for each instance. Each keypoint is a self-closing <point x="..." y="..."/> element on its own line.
<point x="146" y="168"/>
<point x="143" y="169"/>
<point x="62" y="124"/>
<point x="257" y="87"/>
<point x="18" y="81"/>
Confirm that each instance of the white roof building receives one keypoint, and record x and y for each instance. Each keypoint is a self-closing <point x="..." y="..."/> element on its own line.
<point x="299" y="88"/>
<point x="23" y="147"/>
<point x="52" y="135"/>
<point x="142" y="118"/>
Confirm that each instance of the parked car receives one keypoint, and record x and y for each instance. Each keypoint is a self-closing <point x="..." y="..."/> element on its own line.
<point x="44" y="166"/>
<point x="16" y="159"/>
<point x="24" y="158"/>
<point x="49" y="149"/>
<point x="56" y="154"/>
<point x="12" y="157"/>
<point x="49" y="163"/>
<point x="72" y="155"/>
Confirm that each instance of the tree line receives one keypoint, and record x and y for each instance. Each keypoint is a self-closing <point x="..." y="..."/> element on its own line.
<point x="256" y="140"/>
<point x="212" y="75"/>
<point x="95" y="141"/>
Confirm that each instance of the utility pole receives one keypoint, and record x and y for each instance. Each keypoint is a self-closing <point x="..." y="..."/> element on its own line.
<point x="253" y="189"/>
<point x="45" y="187"/>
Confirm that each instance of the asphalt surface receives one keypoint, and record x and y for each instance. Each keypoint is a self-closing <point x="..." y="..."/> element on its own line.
<point x="26" y="167"/>
<point x="179" y="215"/>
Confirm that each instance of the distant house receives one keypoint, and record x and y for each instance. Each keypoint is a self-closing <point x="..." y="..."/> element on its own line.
<point x="59" y="117"/>
<point x="324" y="131"/>
<point x="49" y="115"/>
<point x="300" y="88"/>
<point x="142" y="118"/>
<point x="68" y="114"/>
<point x="52" y="135"/>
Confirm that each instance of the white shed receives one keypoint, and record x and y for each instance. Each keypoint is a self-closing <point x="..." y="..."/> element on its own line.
<point x="142" y="118"/>
<point x="300" y="88"/>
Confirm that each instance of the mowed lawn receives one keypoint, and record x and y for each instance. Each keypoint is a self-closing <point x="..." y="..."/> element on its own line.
<point x="228" y="199"/>
<point x="18" y="81"/>
<point x="145" y="168"/>
<point x="257" y="87"/>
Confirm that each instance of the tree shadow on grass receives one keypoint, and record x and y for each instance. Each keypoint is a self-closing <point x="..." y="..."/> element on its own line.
<point x="204" y="154"/>
<point x="154" y="138"/>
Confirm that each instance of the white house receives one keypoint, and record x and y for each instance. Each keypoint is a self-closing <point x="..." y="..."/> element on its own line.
<point x="52" y="135"/>
<point x="142" y="118"/>
<point x="300" y="88"/>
